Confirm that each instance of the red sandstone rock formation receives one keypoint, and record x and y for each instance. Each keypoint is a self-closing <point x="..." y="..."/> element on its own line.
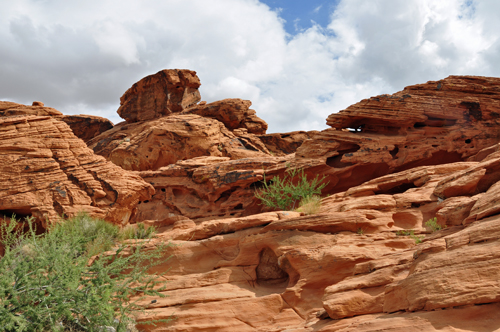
<point x="161" y="94"/>
<point x="344" y="269"/>
<point x="426" y="124"/>
<point x="8" y="108"/>
<point x="149" y="145"/>
<point x="281" y="144"/>
<point x="83" y="126"/>
<point x="233" y="113"/>
<point x="87" y="127"/>
<point x="46" y="171"/>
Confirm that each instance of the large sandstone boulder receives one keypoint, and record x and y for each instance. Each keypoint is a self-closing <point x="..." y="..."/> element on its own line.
<point x="161" y="94"/>
<point x="149" y="145"/>
<point x="233" y="113"/>
<point x="47" y="172"/>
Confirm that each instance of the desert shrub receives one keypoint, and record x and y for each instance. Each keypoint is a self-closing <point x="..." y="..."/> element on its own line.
<point x="433" y="225"/>
<point x="310" y="205"/>
<point x="283" y="193"/>
<point x="137" y="232"/>
<point x="48" y="283"/>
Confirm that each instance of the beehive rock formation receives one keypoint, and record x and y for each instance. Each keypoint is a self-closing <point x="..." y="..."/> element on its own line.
<point x="426" y="124"/>
<point x="46" y="171"/>
<point x="161" y="94"/>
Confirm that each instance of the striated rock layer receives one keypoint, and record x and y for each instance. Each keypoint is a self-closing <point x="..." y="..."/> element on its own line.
<point x="350" y="267"/>
<point x="46" y="171"/>
<point x="426" y="124"/>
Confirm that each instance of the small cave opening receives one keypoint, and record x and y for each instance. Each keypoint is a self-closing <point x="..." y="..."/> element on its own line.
<point x="398" y="189"/>
<point x="269" y="272"/>
<point x="336" y="161"/>
<point x="239" y="207"/>
<point x="394" y="152"/>
<point x="18" y="213"/>
<point x="468" y="141"/>
<point x="225" y="195"/>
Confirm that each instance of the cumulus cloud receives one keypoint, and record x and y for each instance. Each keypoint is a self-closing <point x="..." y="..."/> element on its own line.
<point x="80" y="57"/>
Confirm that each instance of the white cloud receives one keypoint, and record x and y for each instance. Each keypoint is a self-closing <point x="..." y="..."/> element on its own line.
<point x="80" y="56"/>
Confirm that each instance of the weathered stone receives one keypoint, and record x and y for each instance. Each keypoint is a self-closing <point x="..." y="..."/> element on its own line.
<point x="153" y="144"/>
<point x="87" y="127"/>
<point x="46" y="171"/>
<point x="161" y="94"/>
<point x="233" y="113"/>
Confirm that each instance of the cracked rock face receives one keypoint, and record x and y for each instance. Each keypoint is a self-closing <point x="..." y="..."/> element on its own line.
<point x="46" y="171"/>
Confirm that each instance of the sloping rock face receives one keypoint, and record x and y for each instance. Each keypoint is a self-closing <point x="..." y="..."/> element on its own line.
<point x="351" y="267"/>
<point x="83" y="126"/>
<point x="46" y="171"/>
<point x="87" y="127"/>
<point x="426" y="124"/>
<point x="161" y="94"/>
<point x="281" y="144"/>
<point x="233" y="113"/>
<point x="149" y="145"/>
<point x="8" y="108"/>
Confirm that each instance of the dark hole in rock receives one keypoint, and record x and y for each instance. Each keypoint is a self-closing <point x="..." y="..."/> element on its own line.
<point x="163" y="189"/>
<point x="468" y="141"/>
<point x="19" y="213"/>
<point x="399" y="189"/>
<point x="225" y="195"/>
<point x="439" y="122"/>
<point x="238" y="207"/>
<point x="394" y="152"/>
<point x="146" y="201"/>
<point x="359" y="175"/>
<point x="268" y="271"/>
<point x="336" y="161"/>
<point x="419" y="125"/>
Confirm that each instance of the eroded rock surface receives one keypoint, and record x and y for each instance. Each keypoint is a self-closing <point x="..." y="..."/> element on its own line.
<point x="161" y="94"/>
<point x="150" y="145"/>
<point x="426" y="124"/>
<point x="233" y="113"/>
<point x="46" y="171"/>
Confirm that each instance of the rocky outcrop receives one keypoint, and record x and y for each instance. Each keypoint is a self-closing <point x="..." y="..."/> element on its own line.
<point x="150" y="145"/>
<point x="47" y="172"/>
<point x="280" y="144"/>
<point x="233" y="113"/>
<point x="83" y="126"/>
<point x="8" y="108"/>
<point x="87" y="127"/>
<point x="426" y="124"/>
<point x="352" y="266"/>
<point x="161" y="94"/>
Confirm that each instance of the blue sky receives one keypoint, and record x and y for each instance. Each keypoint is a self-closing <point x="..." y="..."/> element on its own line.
<point x="297" y="61"/>
<point x="299" y="14"/>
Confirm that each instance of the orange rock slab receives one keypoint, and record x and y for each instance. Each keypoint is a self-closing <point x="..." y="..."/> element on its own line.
<point x="47" y="172"/>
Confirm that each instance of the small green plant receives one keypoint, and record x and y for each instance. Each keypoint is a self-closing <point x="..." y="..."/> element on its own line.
<point x="433" y="225"/>
<point x="137" y="232"/>
<point x="411" y="234"/>
<point x="360" y="231"/>
<point x="310" y="205"/>
<point x="54" y="281"/>
<point x="283" y="193"/>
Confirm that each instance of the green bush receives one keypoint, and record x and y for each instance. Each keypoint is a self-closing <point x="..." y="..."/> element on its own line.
<point x="411" y="234"/>
<point x="137" y="232"/>
<point x="283" y="193"/>
<point x="48" y="284"/>
<point x="433" y="225"/>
